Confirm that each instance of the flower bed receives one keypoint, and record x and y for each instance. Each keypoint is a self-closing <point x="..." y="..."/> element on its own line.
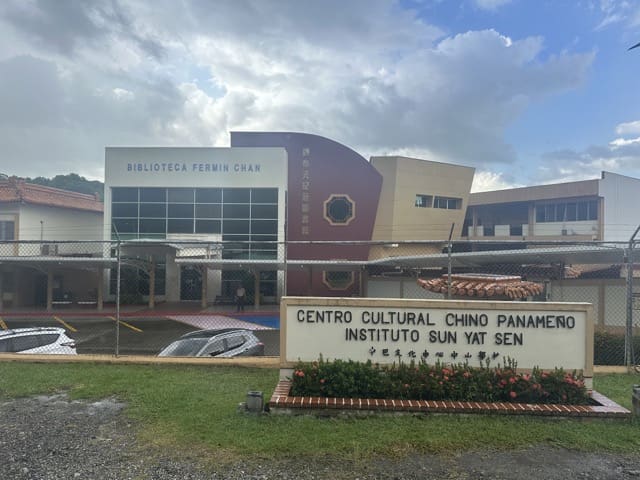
<point x="440" y="382"/>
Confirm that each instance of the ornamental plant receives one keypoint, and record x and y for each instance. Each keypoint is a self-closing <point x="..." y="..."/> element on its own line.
<point x="420" y="381"/>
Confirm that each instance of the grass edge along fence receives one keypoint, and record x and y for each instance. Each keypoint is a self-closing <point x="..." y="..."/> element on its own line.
<point x="453" y="382"/>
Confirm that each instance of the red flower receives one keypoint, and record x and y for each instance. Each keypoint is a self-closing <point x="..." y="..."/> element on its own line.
<point x="466" y="374"/>
<point x="513" y="394"/>
<point x="299" y="373"/>
<point x="322" y="380"/>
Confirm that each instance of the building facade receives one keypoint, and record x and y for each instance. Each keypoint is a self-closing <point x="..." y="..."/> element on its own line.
<point x="38" y="223"/>
<point x="600" y="209"/>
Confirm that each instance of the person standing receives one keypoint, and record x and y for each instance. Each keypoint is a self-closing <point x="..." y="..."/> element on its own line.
<point x="240" y="297"/>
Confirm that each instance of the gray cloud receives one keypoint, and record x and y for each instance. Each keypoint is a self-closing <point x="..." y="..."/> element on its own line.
<point x="106" y="72"/>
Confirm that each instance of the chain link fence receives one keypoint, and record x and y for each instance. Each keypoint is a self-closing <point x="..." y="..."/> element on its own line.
<point x="141" y="297"/>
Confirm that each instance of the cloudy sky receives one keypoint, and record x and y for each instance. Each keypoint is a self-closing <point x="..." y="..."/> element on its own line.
<point x="526" y="91"/>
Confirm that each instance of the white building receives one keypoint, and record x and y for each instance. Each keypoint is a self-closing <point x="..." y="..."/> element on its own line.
<point x="176" y="195"/>
<point x="40" y="260"/>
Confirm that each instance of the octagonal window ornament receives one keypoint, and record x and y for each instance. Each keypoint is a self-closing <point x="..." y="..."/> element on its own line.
<point x="339" y="209"/>
<point x="338" y="280"/>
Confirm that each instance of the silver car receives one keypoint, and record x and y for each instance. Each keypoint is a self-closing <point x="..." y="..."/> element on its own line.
<point x="227" y="342"/>
<point x="52" y="340"/>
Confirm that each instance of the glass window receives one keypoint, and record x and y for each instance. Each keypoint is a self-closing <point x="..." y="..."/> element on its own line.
<point x="7" y="230"/>
<point x="235" y="341"/>
<point x="235" y="211"/>
<point x="26" y="342"/>
<point x="264" y="195"/>
<point x="571" y="212"/>
<point x="539" y="213"/>
<point x="235" y="226"/>
<point x="208" y="226"/>
<point x="214" y="348"/>
<point x="188" y="347"/>
<point x="153" y="225"/>
<point x="593" y="210"/>
<point x="339" y="210"/>
<point x="208" y="211"/>
<point x="153" y="194"/>
<point x="5" y="345"/>
<point x="180" y="210"/>
<point x="208" y="195"/>
<point x="561" y="212"/>
<point x="264" y="226"/>
<point x="264" y="238"/>
<point x="424" y="201"/>
<point x="181" y="195"/>
<point x="180" y="226"/>
<point x="124" y="194"/>
<point x="125" y="226"/>
<point x="264" y="211"/>
<point x="47" y="339"/>
<point x="154" y="210"/>
<point x="235" y="195"/>
<point x="124" y="210"/>
<point x="448" y="203"/>
<point x="338" y="280"/>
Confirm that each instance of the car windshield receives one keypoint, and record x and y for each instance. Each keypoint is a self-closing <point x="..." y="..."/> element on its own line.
<point x="185" y="348"/>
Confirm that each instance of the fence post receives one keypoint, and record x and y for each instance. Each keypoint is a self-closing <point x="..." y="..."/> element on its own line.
<point x="118" y="298"/>
<point x="629" y="359"/>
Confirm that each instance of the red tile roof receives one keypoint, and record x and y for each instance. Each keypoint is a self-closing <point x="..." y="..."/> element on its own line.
<point x="18" y="191"/>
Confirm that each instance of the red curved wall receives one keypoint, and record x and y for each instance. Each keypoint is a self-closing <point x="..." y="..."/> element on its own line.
<point x="319" y="167"/>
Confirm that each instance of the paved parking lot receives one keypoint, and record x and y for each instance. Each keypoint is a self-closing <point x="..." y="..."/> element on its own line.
<point x="145" y="335"/>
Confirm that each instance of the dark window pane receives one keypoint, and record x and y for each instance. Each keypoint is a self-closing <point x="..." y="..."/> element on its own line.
<point x="593" y="210"/>
<point x="4" y="345"/>
<point x="264" y="226"/>
<point x="181" y="195"/>
<point x="583" y="211"/>
<point x="236" y="238"/>
<point x="264" y="238"/>
<point x="235" y="226"/>
<point x="208" y="195"/>
<point x="264" y="195"/>
<point x="7" y="230"/>
<point x="539" y="213"/>
<point x="25" y="343"/>
<point x="180" y="210"/>
<point x="47" y="339"/>
<point x="125" y="226"/>
<point x="235" y="211"/>
<point x="550" y="213"/>
<point x="207" y="226"/>
<point x="124" y="194"/>
<point x="180" y="226"/>
<point x="264" y="211"/>
<point x="572" y="212"/>
<point x="560" y="212"/>
<point x="155" y="210"/>
<point x="208" y="211"/>
<point x="152" y="225"/>
<point x="124" y="210"/>
<point x="235" y="195"/>
<point x="153" y="194"/>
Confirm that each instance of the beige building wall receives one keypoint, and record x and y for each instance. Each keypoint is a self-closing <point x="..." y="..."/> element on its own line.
<point x="399" y="219"/>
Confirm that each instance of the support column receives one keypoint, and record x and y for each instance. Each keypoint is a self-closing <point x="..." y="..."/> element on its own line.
<point x="1" y="291"/>
<point x="100" y="289"/>
<point x="152" y="283"/>
<point x="256" y="289"/>
<point x="49" y="290"/>
<point x="204" y="273"/>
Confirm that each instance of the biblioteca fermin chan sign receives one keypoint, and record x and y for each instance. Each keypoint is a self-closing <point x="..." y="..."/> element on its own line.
<point x="534" y="334"/>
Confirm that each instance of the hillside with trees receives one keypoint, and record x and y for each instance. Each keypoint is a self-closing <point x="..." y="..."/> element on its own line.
<point x="72" y="182"/>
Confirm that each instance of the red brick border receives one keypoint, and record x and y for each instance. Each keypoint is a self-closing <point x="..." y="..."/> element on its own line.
<point x="280" y="400"/>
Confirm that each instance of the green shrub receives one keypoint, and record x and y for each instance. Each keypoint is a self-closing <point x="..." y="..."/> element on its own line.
<point x="419" y="381"/>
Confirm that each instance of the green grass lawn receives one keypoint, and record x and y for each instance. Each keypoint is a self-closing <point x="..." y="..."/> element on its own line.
<point x="189" y="408"/>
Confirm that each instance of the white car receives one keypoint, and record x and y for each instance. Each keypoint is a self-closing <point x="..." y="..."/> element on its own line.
<point x="51" y="340"/>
